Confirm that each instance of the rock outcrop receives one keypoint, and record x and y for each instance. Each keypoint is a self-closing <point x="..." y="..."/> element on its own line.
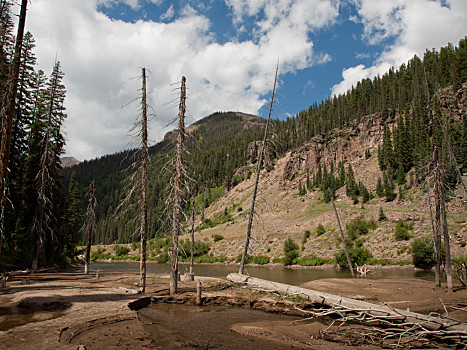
<point x="343" y="145"/>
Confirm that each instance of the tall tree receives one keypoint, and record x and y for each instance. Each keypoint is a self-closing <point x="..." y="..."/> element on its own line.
<point x="7" y="113"/>
<point x="258" y="171"/>
<point x="144" y="185"/>
<point x="177" y="204"/>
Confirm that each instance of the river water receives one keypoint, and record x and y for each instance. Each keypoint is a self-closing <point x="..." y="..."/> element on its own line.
<point x="272" y="273"/>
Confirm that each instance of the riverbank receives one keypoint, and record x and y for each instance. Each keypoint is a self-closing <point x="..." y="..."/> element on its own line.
<point x="40" y="313"/>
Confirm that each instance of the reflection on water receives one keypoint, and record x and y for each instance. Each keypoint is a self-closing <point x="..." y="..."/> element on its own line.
<point x="277" y="274"/>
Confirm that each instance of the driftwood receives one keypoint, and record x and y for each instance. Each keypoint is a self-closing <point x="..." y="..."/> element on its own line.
<point x="430" y="322"/>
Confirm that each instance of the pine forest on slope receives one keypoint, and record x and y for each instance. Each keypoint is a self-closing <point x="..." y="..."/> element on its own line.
<point x="221" y="150"/>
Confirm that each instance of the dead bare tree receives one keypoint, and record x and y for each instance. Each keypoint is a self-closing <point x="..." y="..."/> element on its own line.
<point x="7" y="113"/>
<point x="144" y="186"/>
<point x="344" y="244"/>
<point x="177" y="203"/>
<point x="258" y="171"/>
<point x="436" y="226"/>
<point x="90" y="222"/>
<point x="192" y="274"/>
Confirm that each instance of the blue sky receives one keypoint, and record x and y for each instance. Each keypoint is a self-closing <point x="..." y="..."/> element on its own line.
<point x="227" y="50"/>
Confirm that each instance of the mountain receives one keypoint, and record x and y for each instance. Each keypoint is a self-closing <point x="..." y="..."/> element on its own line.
<point x="69" y="161"/>
<point x="369" y="150"/>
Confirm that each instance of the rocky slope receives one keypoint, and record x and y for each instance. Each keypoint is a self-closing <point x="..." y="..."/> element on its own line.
<point x="282" y="213"/>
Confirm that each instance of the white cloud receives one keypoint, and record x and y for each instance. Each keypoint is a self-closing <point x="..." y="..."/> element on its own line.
<point x="413" y="25"/>
<point x="168" y="14"/>
<point x="100" y="57"/>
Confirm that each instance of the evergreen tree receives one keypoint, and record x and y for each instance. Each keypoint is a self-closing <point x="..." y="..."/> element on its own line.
<point x="380" y="188"/>
<point x="73" y="218"/>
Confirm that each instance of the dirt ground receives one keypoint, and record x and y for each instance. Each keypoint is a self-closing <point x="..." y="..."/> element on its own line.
<point x="70" y="310"/>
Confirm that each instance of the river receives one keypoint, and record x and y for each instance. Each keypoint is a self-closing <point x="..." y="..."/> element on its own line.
<point x="272" y="273"/>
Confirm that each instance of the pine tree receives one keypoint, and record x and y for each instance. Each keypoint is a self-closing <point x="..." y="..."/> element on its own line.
<point x="380" y="188"/>
<point x="73" y="217"/>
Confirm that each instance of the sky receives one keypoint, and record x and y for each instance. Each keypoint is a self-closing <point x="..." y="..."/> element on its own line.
<point x="227" y="50"/>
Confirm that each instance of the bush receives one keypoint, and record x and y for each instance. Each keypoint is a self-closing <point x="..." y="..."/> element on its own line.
<point x="217" y="238"/>
<point x="320" y="230"/>
<point x="359" y="256"/>
<point x="248" y="258"/>
<point x="201" y="248"/>
<point x="290" y="251"/>
<point x="261" y="260"/>
<point x="162" y="258"/>
<point x="121" y="251"/>
<point x="277" y="260"/>
<point x="306" y="235"/>
<point x="359" y="227"/>
<point x="311" y="261"/>
<point x="382" y="216"/>
<point x="401" y="231"/>
<point x="423" y="252"/>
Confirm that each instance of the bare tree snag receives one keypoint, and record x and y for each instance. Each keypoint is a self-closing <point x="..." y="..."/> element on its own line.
<point x="258" y="171"/>
<point x="349" y="262"/>
<point x="90" y="217"/>
<point x="436" y="226"/>
<point x="177" y="206"/>
<point x="447" y="247"/>
<point x="192" y="255"/>
<point x="8" y="110"/>
<point x="144" y="186"/>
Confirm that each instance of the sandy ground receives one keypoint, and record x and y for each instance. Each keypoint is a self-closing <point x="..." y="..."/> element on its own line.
<point x="66" y="310"/>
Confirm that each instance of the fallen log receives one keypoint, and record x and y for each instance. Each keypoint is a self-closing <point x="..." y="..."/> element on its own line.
<point x="430" y="322"/>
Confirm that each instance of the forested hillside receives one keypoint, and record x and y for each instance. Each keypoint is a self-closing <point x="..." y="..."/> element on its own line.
<point x="215" y="149"/>
<point x="218" y="144"/>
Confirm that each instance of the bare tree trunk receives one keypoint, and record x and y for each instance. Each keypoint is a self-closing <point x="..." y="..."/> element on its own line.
<point x="177" y="207"/>
<point x="144" y="185"/>
<point x="90" y="227"/>
<point x="258" y="171"/>
<point x="192" y="237"/>
<point x="436" y="232"/>
<point x="349" y="262"/>
<point x="7" y="113"/>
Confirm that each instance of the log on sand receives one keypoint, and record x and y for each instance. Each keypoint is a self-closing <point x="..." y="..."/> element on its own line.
<point x="385" y="311"/>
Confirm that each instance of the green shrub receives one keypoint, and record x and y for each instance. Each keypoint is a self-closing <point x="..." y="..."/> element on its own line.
<point x="217" y="238"/>
<point x="184" y="250"/>
<point x="277" y="260"/>
<point x="382" y="216"/>
<point x="290" y="251"/>
<point x="311" y="261"/>
<point x="401" y="231"/>
<point x="306" y="235"/>
<point x="261" y="260"/>
<point x="423" y="253"/>
<point x="320" y="230"/>
<point x="162" y="258"/>
<point x="359" y="256"/>
<point x="359" y="227"/>
<point x="248" y="258"/>
<point x="121" y="251"/>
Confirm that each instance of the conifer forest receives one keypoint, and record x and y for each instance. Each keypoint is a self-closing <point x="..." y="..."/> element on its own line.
<point x="44" y="205"/>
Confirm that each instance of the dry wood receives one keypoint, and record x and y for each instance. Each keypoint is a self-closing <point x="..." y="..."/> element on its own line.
<point x="349" y="262"/>
<point x="177" y="206"/>
<point x="430" y="322"/>
<point x="144" y="186"/>
<point x="192" y="253"/>
<point x="258" y="172"/>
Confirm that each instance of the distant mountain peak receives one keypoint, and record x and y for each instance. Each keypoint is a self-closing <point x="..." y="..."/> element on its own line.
<point x="69" y="161"/>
